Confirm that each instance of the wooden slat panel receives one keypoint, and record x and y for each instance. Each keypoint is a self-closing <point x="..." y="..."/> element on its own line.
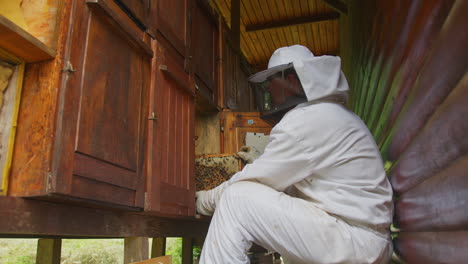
<point x="205" y="38"/>
<point x="433" y="247"/>
<point x="102" y="107"/>
<point x="190" y="155"/>
<point x="108" y="116"/>
<point x="258" y="46"/>
<point x="171" y="20"/>
<point x="138" y="9"/>
<point x="438" y="204"/>
<point x="433" y="85"/>
<point x="442" y="141"/>
<point x="385" y="42"/>
<point x="102" y="192"/>
<point x="174" y="195"/>
<point x="406" y="14"/>
<point x="171" y="142"/>
<point x="229" y="62"/>
<point x="414" y="54"/>
<point x="245" y="92"/>
<point x="424" y="30"/>
<point x="89" y="167"/>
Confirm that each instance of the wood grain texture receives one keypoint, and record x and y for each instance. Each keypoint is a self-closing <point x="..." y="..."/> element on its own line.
<point x="138" y="9"/>
<point x="258" y="46"/>
<point x="42" y="18"/>
<point x="36" y="122"/>
<point x="160" y="260"/>
<point x="438" y="203"/>
<point x="23" y="44"/>
<point x="98" y="102"/>
<point x="433" y="87"/>
<point x="236" y="126"/>
<point x="103" y="103"/>
<point x="204" y="52"/>
<point x="171" y="21"/>
<point x="11" y="83"/>
<point x="158" y="247"/>
<point x="187" y="250"/>
<point x="207" y="133"/>
<point x="433" y="247"/>
<point x="236" y="91"/>
<point x="40" y="218"/>
<point x="171" y="148"/>
<point x="49" y="251"/>
<point x="441" y="141"/>
<point x="135" y="249"/>
<point x="408" y="74"/>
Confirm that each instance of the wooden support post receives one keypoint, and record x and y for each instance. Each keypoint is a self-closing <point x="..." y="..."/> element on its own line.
<point x="135" y="249"/>
<point x="235" y="25"/>
<point x="49" y="251"/>
<point x="158" y="247"/>
<point x="187" y="250"/>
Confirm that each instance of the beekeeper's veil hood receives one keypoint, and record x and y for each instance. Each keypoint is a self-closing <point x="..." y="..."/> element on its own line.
<point x="321" y="78"/>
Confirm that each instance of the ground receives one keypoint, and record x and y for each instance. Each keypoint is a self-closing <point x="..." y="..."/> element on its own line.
<point x="77" y="251"/>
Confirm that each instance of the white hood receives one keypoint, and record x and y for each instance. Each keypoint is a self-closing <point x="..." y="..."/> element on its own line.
<point x="320" y="76"/>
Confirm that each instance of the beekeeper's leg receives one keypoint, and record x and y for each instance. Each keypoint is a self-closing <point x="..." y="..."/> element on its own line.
<point x="251" y="212"/>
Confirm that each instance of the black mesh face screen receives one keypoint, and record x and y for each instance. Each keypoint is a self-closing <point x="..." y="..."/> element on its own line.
<point x="278" y="94"/>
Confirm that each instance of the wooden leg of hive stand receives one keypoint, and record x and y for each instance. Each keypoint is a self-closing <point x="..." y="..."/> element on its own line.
<point x="158" y="247"/>
<point x="49" y="251"/>
<point x="135" y="249"/>
<point x="187" y="250"/>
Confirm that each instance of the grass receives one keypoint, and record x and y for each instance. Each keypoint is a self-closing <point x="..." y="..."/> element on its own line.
<point x="78" y="251"/>
<point x="18" y="251"/>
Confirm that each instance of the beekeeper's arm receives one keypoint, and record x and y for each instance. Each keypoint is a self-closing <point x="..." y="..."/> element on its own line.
<point x="284" y="163"/>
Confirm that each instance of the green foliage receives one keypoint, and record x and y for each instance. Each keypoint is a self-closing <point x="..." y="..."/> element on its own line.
<point x="74" y="251"/>
<point x="196" y="252"/>
<point x="18" y="251"/>
<point x="174" y="248"/>
<point x="92" y="251"/>
<point x="82" y="251"/>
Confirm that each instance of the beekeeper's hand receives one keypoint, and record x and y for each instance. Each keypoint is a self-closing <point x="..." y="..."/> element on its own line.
<point x="248" y="154"/>
<point x="206" y="200"/>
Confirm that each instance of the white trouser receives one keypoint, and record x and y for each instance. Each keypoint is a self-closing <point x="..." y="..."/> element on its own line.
<point x="252" y="212"/>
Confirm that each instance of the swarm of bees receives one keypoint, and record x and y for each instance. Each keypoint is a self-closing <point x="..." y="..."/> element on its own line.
<point x="212" y="171"/>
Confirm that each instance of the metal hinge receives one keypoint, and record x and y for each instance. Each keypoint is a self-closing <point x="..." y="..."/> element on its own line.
<point x="68" y="67"/>
<point x="48" y="181"/>
<point x="153" y="117"/>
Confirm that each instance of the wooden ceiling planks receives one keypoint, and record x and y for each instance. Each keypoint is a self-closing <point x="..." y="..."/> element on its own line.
<point x="260" y="39"/>
<point x="258" y="45"/>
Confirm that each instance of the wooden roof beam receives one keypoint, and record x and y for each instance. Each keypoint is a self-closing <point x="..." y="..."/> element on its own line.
<point x="337" y="5"/>
<point x="292" y="22"/>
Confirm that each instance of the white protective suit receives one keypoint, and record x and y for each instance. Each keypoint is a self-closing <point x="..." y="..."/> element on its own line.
<point x="318" y="194"/>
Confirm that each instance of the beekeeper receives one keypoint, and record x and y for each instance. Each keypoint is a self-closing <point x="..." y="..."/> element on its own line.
<point x="319" y="193"/>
